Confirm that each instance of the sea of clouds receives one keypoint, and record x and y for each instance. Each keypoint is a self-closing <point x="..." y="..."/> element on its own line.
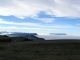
<point x="53" y="37"/>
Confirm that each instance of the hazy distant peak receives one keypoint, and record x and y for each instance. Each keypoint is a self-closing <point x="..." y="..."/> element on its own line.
<point x="58" y="34"/>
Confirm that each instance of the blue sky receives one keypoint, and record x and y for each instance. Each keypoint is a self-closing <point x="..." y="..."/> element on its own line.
<point x="40" y="16"/>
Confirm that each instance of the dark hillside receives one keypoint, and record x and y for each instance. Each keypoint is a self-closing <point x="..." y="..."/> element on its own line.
<point x="19" y="39"/>
<point x="4" y="38"/>
<point x="41" y="50"/>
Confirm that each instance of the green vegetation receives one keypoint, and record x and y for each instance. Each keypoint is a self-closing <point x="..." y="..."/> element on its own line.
<point x="40" y="50"/>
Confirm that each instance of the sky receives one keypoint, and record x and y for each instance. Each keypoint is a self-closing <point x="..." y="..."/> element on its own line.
<point x="40" y="16"/>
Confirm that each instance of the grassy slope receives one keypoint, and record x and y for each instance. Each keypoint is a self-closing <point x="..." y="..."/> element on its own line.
<point x="40" y="50"/>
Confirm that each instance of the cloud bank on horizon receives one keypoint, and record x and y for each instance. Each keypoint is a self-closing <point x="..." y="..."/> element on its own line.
<point x="41" y="16"/>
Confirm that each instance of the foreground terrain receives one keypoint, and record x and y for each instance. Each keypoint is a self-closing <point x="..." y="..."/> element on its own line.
<point x="40" y="50"/>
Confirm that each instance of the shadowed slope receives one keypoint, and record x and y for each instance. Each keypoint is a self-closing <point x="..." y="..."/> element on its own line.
<point x="41" y="50"/>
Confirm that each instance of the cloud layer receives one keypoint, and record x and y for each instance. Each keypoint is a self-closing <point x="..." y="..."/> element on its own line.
<point x="31" y="8"/>
<point x="29" y="24"/>
<point x="34" y="27"/>
<point x="19" y="24"/>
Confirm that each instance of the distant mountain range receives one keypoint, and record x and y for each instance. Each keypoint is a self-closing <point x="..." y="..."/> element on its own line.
<point x="31" y="36"/>
<point x="58" y="34"/>
<point x="35" y="36"/>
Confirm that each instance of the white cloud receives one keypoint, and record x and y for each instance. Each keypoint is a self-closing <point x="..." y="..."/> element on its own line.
<point x="13" y="27"/>
<point x="18" y="29"/>
<point x="35" y="25"/>
<point x="42" y="26"/>
<point x="39" y="29"/>
<point x="22" y="24"/>
<point x="46" y="20"/>
<point x="58" y="26"/>
<point x="62" y="26"/>
<point x="31" y="8"/>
